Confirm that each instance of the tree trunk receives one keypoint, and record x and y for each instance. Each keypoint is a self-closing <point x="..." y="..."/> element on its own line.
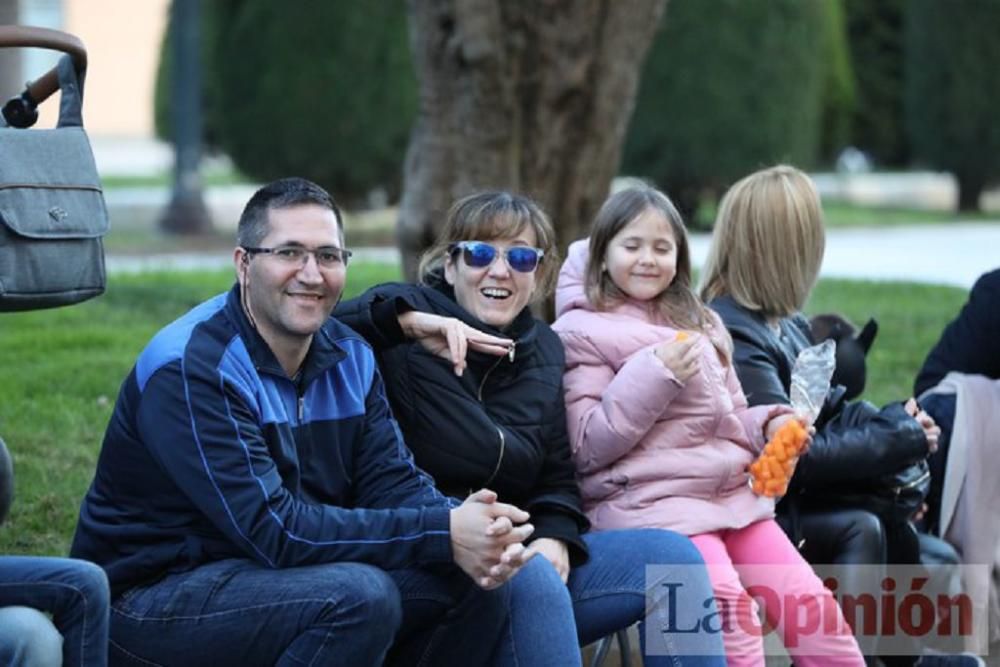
<point x="532" y="96"/>
<point x="970" y="187"/>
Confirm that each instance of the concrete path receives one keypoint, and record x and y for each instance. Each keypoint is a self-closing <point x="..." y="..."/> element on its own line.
<point x="955" y="254"/>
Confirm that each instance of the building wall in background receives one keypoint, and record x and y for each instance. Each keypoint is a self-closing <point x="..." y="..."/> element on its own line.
<point x="123" y="47"/>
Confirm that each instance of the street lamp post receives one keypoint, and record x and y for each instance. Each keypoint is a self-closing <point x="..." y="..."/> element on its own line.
<point x="186" y="213"/>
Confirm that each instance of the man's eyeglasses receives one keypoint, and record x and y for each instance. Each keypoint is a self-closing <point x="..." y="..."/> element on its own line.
<point x="327" y="257"/>
<point x="478" y="255"/>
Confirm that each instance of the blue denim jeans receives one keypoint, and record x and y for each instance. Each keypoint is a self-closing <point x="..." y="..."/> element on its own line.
<point x="74" y="592"/>
<point x="235" y="612"/>
<point x="609" y="593"/>
<point x="28" y="639"/>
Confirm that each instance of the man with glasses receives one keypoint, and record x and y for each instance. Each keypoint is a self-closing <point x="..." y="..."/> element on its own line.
<point x="254" y="503"/>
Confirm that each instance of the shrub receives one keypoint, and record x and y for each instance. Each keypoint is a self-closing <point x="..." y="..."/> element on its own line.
<point x="952" y="84"/>
<point x="875" y="34"/>
<point x="729" y="86"/>
<point x="320" y="90"/>
<point x="839" y="94"/>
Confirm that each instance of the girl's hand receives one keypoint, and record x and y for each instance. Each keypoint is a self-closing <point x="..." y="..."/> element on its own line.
<point x="775" y="423"/>
<point x="931" y="430"/>
<point x="555" y="552"/>
<point x="680" y="356"/>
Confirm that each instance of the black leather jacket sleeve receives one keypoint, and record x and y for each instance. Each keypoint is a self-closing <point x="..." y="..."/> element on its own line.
<point x="853" y="441"/>
<point x="861" y="442"/>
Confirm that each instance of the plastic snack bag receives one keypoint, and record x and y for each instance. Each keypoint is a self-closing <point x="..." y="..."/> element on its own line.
<point x="771" y="472"/>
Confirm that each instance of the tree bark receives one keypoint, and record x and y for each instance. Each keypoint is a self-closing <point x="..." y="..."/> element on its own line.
<point x="970" y="187"/>
<point x="532" y="96"/>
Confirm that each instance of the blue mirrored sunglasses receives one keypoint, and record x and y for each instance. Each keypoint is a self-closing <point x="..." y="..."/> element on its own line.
<point x="478" y="255"/>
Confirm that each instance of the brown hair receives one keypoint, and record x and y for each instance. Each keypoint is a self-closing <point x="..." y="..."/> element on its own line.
<point x="486" y="216"/>
<point x="767" y="246"/>
<point x="678" y="304"/>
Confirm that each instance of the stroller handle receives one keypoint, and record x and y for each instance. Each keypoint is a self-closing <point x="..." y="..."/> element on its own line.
<point x="43" y="87"/>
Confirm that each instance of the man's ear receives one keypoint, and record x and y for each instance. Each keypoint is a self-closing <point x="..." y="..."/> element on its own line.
<point x="241" y="260"/>
<point x="867" y="335"/>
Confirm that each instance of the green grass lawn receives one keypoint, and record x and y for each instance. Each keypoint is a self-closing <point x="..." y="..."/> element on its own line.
<point x="62" y="369"/>
<point x="844" y="214"/>
<point x="840" y="214"/>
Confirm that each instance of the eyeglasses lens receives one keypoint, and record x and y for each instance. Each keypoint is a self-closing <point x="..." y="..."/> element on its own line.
<point x="522" y="259"/>
<point x="478" y="255"/>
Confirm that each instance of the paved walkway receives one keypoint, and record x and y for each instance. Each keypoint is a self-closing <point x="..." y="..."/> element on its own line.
<point x="954" y="254"/>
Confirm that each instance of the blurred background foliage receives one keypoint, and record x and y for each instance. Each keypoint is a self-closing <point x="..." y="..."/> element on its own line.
<point x="722" y="97"/>
<point x="729" y="86"/>
<point x="323" y="90"/>
<point x="952" y="84"/>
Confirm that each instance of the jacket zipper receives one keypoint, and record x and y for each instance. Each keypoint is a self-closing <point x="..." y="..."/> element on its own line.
<point x="300" y="399"/>
<point x="496" y="468"/>
<point x="479" y="394"/>
<point x="482" y="383"/>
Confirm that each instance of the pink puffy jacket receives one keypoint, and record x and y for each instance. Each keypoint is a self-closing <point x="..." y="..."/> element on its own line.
<point x="649" y="450"/>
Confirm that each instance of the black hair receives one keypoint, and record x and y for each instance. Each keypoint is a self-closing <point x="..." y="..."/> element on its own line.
<point x="283" y="193"/>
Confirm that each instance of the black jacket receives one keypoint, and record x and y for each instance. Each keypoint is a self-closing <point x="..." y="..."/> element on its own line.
<point x="854" y="441"/>
<point x="502" y="425"/>
<point x="971" y="343"/>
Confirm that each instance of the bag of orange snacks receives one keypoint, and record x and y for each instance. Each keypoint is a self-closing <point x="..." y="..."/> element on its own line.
<point x="771" y="472"/>
<point x="773" y="469"/>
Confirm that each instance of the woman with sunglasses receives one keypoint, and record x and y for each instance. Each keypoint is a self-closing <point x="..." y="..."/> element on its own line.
<point x="481" y="406"/>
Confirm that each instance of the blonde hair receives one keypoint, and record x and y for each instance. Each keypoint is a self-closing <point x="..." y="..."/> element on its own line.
<point x="767" y="246"/>
<point x="487" y="216"/>
<point x="678" y="304"/>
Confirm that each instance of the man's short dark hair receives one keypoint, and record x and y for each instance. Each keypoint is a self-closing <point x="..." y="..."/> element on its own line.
<point x="283" y="193"/>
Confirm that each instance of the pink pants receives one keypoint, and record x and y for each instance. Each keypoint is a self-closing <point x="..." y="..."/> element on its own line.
<point x="760" y="557"/>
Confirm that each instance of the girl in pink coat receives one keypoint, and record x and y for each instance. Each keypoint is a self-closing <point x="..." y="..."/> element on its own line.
<point x="661" y="432"/>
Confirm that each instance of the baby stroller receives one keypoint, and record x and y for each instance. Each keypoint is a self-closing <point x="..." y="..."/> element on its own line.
<point x="52" y="211"/>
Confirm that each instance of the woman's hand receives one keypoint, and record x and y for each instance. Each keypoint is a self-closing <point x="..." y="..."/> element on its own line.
<point x="931" y="430"/>
<point x="555" y="552"/>
<point x="680" y="356"/>
<point x="450" y="338"/>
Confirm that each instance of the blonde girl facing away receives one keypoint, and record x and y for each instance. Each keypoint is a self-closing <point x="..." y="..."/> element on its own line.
<point x="660" y="430"/>
<point x="767" y="249"/>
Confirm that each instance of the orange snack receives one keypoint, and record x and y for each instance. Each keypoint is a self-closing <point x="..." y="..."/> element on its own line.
<point x="773" y="468"/>
<point x="681" y="335"/>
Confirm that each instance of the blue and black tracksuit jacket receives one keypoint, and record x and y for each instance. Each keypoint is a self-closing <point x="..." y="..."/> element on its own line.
<point x="213" y="452"/>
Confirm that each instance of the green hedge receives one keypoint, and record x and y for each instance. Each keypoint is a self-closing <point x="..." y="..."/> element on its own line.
<point x="320" y="90"/>
<point x="875" y="33"/>
<point x="729" y="86"/>
<point x="952" y="89"/>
